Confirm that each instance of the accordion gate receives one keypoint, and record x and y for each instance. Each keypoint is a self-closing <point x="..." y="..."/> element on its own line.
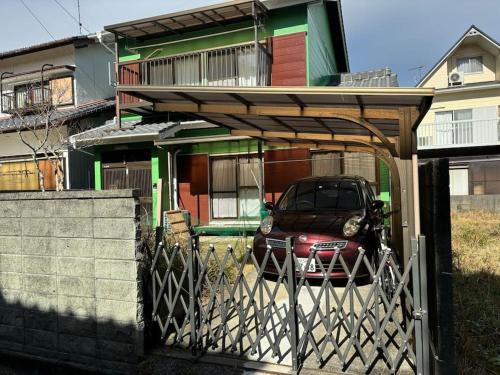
<point x="220" y="300"/>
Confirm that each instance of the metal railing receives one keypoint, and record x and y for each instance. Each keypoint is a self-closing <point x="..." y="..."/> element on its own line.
<point x="224" y="301"/>
<point x="231" y="66"/>
<point x="26" y="100"/>
<point x="459" y="134"/>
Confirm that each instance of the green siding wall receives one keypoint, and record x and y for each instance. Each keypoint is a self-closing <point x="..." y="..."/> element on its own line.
<point x="385" y="182"/>
<point x="97" y="170"/>
<point x="321" y="56"/>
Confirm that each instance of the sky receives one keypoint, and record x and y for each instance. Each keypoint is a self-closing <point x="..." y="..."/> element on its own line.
<point x="400" y="34"/>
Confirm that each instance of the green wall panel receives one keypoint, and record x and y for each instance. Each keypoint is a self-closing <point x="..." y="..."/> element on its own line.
<point x="321" y="55"/>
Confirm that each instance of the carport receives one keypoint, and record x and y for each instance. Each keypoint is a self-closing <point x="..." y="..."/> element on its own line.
<point x="381" y="121"/>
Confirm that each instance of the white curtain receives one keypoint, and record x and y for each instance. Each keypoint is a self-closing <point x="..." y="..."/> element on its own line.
<point x="246" y="66"/>
<point x="462" y="129"/>
<point x="187" y="70"/>
<point x="443" y="127"/>
<point x="325" y="164"/>
<point x="250" y="180"/>
<point x="360" y="164"/>
<point x="470" y="64"/>
<point x="221" y="68"/>
<point x="224" y="201"/>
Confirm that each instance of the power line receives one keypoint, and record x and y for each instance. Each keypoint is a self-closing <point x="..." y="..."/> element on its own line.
<point x="80" y="25"/>
<point x="37" y="19"/>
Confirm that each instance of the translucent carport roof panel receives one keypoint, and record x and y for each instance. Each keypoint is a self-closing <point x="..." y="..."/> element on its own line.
<point x="174" y="23"/>
<point x="332" y="113"/>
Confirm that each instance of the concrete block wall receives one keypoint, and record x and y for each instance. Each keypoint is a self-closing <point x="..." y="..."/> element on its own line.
<point x="70" y="277"/>
<point x="489" y="203"/>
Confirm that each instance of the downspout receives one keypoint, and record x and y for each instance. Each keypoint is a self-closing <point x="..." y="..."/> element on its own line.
<point x="175" y="193"/>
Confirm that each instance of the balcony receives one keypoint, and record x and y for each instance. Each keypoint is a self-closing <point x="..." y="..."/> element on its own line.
<point x="230" y="66"/>
<point x="26" y="100"/>
<point x="465" y="133"/>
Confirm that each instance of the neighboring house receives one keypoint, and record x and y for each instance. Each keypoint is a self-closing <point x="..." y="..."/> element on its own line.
<point x="205" y="169"/>
<point x="68" y="80"/>
<point x="463" y="123"/>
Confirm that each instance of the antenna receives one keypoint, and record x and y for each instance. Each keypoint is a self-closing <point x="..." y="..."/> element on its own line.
<point x="79" y="19"/>
<point x="418" y="73"/>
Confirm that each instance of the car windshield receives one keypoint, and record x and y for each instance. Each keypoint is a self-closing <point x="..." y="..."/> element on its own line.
<point x="322" y="195"/>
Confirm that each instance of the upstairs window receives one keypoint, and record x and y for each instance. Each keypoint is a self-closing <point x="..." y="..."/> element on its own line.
<point x="470" y="64"/>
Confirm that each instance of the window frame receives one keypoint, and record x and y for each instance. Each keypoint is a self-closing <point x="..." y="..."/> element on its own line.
<point x="469" y="58"/>
<point x="238" y="216"/>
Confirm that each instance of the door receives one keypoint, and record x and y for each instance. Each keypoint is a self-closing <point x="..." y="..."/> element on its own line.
<point x="459" y="181"/>
<point x="443" y="128"/>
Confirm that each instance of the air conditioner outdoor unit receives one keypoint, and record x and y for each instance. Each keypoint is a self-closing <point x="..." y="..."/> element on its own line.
<point x="456" y="79"/>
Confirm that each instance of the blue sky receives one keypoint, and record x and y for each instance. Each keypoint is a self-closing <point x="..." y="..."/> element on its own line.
<point x="400" y="34"/>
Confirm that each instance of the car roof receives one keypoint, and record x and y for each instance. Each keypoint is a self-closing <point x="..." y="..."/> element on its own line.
<point x="340" y="177"/>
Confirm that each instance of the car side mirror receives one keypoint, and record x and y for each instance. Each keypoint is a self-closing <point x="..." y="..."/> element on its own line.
<point x="269" y="206"/>
<point x="377" y="205"/>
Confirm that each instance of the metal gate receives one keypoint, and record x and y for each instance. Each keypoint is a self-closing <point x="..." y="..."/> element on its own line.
<point x="221" y="300"/>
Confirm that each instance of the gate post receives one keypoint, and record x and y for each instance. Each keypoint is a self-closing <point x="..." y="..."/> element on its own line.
<point x="292" y="302"/>
<point x="192" y="300"/>
<point x="420" y="308"/>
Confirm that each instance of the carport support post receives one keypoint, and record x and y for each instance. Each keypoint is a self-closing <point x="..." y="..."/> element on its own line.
<point x="292" y="303"/>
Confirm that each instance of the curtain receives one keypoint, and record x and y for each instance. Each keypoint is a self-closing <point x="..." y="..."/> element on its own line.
<point x="470" y="64"/>
<point x="325" y="164"/>
<point x="187" y="70"/>
<point x="224" y="197"/>
<point x="222" y="68"/>
<point x="246" y="66"/>
<point x="443" y="127"/>
<point x="360" y="164"/>
<point x="250" y="180"/>
<point x="461" y="128"/>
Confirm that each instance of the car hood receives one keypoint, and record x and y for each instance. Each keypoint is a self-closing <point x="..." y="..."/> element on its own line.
<point x="330" y="223"/>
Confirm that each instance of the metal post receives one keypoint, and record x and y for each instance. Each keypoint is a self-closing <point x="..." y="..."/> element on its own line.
<point x="1" y="88"/>
<point x="417" y="312"/>
<point x="256" y="41"/>
<point x="422" y="254"/>
<point x="292" y="303"/>
<point x="192" y="300"/>
<point x="43" y="86"/>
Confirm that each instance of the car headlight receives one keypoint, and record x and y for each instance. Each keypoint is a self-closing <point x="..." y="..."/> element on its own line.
<point x="351" y="226"/>
<point x="266" y="225"/>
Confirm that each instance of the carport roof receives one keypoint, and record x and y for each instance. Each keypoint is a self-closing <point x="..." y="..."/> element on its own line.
<point x="301" y="116"/>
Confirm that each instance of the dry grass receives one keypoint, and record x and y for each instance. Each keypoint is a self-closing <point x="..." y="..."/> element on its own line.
<point x="476" y="261"/>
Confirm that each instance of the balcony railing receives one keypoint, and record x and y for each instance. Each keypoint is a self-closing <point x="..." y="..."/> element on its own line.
<point x="464" y="133"/>
<point x="231" y="66"/>
<point x="27" y="100"/>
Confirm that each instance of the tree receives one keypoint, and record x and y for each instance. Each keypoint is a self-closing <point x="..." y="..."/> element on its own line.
<point x="41" y="128"/>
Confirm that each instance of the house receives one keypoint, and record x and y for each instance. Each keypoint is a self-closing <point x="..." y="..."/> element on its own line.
<point x="50" y="91"/>
<point x="463" y="123"/>
<point x="219" y="176"/>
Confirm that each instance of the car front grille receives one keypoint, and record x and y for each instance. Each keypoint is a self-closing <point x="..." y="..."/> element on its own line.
<point x="276" y="244"/>
<point x="330" y="245"/>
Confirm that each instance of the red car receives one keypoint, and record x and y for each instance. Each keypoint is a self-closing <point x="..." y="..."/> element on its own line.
<point x="322" y="213"/>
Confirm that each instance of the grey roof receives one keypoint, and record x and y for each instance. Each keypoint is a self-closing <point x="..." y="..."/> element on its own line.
<point x="109" y="132"/>
<point x="80" y="39"/>
<point x="133" y="131"/>
<point x="10" y="124"/>
<point x="371" y="78"/>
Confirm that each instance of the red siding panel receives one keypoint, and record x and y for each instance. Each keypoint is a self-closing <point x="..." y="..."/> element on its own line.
<point x="277" y="176"/>
<point x="289" y="60"/>
<point x="129" y="75"/>
<point x="193" y="186"/>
